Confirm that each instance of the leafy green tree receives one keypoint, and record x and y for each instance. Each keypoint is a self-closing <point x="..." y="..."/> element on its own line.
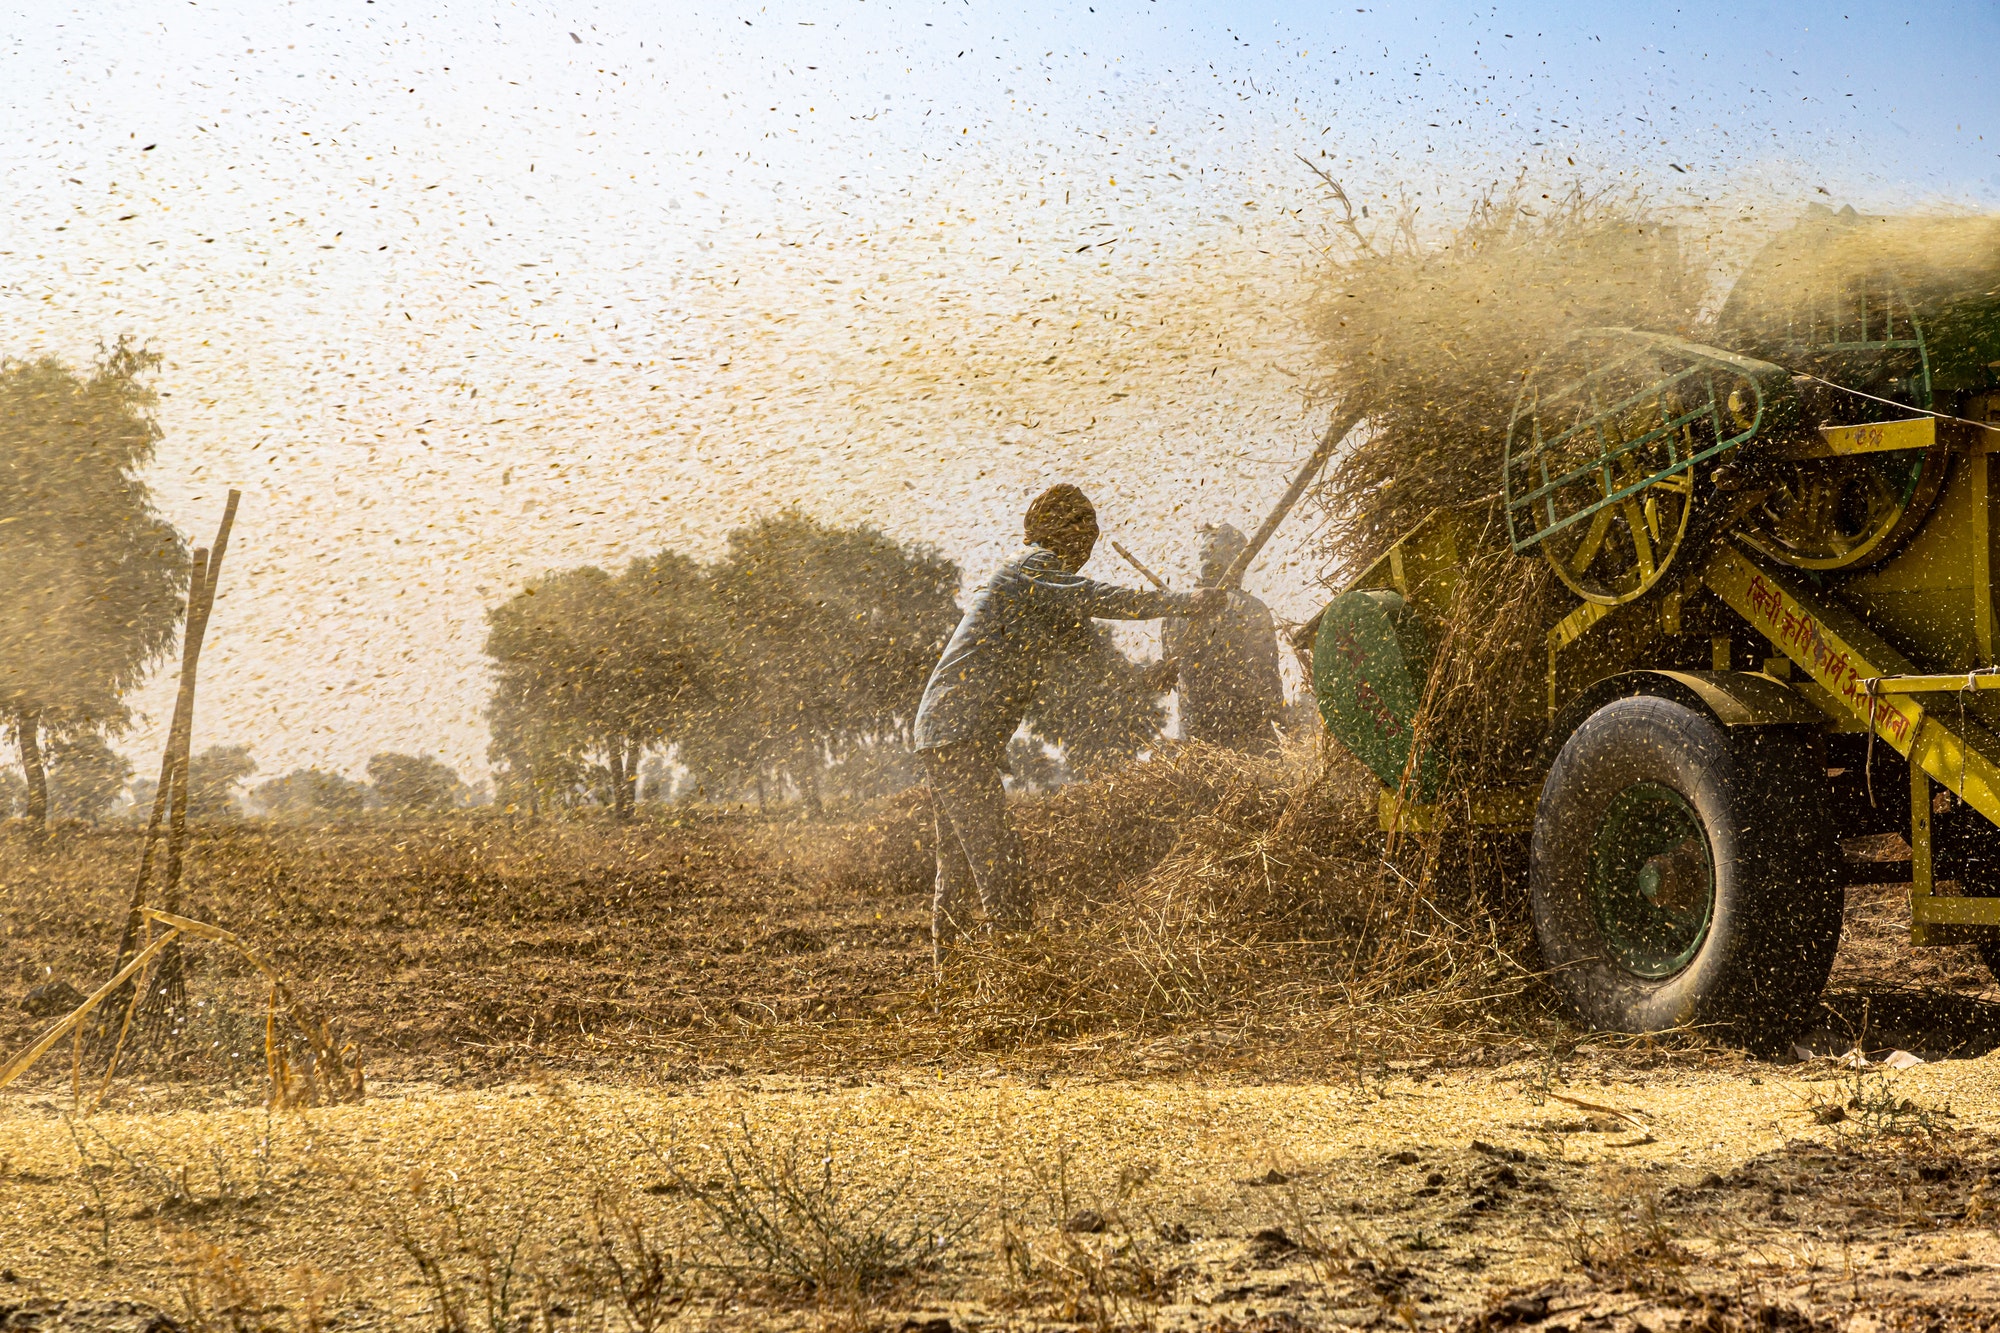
<point x="306" y="793"/>
<point x="831" y="634"/>
<point x="1099" y="705"/>
<point x="414" y="782"/>
<point x="214" y="776"/>
<point x="85" y="775"/>
<point x="592" y="669"/>
<point x="95" y="576"/>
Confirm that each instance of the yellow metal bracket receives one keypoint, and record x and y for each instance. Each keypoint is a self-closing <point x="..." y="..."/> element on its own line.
<point x="1861" y="677"/>
<point x="1876" y="437"/>
<point x="1500" y="809"/>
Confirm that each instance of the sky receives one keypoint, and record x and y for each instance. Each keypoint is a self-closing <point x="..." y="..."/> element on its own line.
<point x="459" y="294"/>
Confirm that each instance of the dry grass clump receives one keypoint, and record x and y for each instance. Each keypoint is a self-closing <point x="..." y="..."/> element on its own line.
<point x="887" y="845"/>
<point x="1428" y="340"/>
<point x="1205" y="885"/>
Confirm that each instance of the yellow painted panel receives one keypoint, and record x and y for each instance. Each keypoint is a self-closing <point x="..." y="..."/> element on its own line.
<point x="1933" y="599"/>
<point x="1842" y="655"/>
<point x="1880" y="437"/>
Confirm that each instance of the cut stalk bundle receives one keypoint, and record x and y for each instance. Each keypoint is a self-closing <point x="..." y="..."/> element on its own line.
<point x="1207" y="887"/>
<point x="332" y="1072"/>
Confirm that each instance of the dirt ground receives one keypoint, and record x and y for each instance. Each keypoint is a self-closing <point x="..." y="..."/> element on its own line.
<point x="692" y="1074"/>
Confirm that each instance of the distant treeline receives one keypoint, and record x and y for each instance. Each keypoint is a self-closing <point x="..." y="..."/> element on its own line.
<point x="88" y="780"/>
<point x="789" y="669"/>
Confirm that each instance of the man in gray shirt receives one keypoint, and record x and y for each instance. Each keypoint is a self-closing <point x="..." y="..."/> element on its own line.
<point x="1231" y="691"/>
<point x="981" y="687"/>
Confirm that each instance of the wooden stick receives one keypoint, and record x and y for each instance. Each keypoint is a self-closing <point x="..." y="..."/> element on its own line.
<point x="197" y="582"/>
<point x="194" y="629"/>
<point x="124" y="1029"/>
<point x="177" y="827"/>
<point x="1133" y="561"/>
<point x="1336" y="431"/>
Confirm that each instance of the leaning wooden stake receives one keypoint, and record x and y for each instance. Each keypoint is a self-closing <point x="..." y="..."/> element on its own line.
<point x="337" y="1068"/>
<point x="170" y="800"/>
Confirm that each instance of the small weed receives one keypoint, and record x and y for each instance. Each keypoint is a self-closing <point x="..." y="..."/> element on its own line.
<point x="1867" y="1101"/>
<point x="1636" y="1246"/>
<point x="793" y="1216"/>
<point x="219" y="1174"/>
<point x="1095" y="1263"/>
<point x="218" y="1293"/>
<point x="626" y="1261"/>
<point x="485" y="1271"/>
<point x="92" y="1173"/>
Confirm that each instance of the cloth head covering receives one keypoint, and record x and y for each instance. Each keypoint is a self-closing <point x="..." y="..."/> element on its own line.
<point x="1060" y="509"/>
<point x="1218" y="544"/>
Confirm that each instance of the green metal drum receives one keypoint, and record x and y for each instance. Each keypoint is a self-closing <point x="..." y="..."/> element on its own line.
<point x="1370" y="661"/>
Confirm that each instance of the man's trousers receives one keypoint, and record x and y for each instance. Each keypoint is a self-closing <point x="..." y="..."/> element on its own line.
<point x="978" y="861"/>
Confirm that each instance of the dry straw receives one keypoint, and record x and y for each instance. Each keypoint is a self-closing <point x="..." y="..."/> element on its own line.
<point x="1205" y="889"/>
<point x="331" y="1072"/>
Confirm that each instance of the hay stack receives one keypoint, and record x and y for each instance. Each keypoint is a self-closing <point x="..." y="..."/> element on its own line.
<point x="1431" y="339"/>
<point x="1206" y="886"/>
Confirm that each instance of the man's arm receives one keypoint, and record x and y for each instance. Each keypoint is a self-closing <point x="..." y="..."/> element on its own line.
<point x="1049" y="584"/>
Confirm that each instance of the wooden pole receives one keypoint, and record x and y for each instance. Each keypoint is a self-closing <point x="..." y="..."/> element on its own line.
<point x="194" y="627"/>
<point x="1343" y="422"/>
<point x="184" y="710"/>
<point x="1133" y="561"/>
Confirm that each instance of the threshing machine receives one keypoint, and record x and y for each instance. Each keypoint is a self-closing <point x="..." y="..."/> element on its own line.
<point x="1778" y="556"/>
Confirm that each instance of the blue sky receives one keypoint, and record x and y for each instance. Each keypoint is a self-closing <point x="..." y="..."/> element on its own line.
<point x="458" y="293"/>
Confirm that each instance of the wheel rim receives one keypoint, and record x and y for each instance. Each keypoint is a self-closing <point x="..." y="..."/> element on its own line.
<point x="1652" y="881"/>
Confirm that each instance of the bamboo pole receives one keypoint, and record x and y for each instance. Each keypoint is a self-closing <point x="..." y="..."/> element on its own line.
<point x="194" y="628"/>
<point x="177" y="826"/>
<point x="1133" y="561"/>
<point x="1336" y="431"/>
<point x="19" y="1064"/>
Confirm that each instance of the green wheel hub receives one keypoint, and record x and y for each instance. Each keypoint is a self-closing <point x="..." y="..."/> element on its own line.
<point x="1652" y="881"/>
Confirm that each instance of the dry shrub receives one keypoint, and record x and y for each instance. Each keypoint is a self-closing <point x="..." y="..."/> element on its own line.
<point x="1103" y="1265"/>
<point x="1428" y="340"/>
<point x="806" y="1217"/>
<point x="1204" y="885"/>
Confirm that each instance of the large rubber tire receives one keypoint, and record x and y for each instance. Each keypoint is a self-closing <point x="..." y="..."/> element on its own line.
<point x="1683" y="873"/>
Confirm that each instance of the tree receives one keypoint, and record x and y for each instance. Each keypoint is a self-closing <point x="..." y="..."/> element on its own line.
<point x="413" y="782"/>
<point x="591" y="670"/>
<point x="832" y="633"/>
<point x="306" y="792"/>
<point x="95" y="576"/>
<point x="213" y="777"/>
<point x="85" y="775"/>
<point x="1097" y="704"/>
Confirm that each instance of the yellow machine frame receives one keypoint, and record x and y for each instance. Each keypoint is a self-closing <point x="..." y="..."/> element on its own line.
<point x="1905" y="649"/>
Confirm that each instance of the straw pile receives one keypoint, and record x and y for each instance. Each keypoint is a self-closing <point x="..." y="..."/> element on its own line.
<point x="1430" y="341"/>
<point x="1206" y="886"/>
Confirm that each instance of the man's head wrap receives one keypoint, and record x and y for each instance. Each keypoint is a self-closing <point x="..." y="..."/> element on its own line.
<point x="1218" y="544"/>
<point x="1059" y="510"/>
